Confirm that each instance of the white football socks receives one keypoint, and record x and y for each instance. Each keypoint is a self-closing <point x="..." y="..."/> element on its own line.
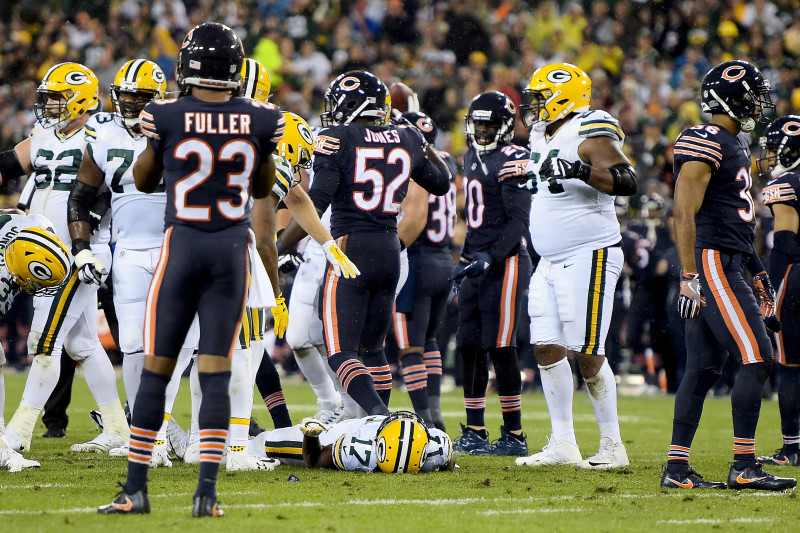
<point x="241" y="393"/>
<point x="603" y="395"/>
<point x="100" y="376"/>
<point x="313" y="368"/>
<point x="132" y="365"/>
<point x="558" y="390"/>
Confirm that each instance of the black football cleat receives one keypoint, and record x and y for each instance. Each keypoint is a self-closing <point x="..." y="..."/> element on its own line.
<point x="469" y="441"/>
<point x="754" y="477"/>
<point x="136" y="503"/>
<point x="689" y="479"/>
<point x="781" y="458"/>
<point x="206" y="506"/>
<point x="55" y="433"/>
<point x="507" y="445"/>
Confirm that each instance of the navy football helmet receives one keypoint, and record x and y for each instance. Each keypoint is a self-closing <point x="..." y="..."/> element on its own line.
<point x="210" y="57"/>
<point x="357" y="94"/>
<point x="424" y="124"/>
<point x="737" y="89"/>
<point x="780" y="146"/>
<point x="497" y="113"/>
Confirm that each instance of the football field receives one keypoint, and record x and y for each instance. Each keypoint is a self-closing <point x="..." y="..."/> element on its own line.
<point x="484" y="495"/>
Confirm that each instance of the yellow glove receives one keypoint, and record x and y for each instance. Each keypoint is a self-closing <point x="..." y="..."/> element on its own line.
<point x="340" y="262"/>
<point x="281" y="315"/>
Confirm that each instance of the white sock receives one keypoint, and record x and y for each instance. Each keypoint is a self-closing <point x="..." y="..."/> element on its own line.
<point x="603" y="394"/>
<point x="257" y="352"/>
<point x="197" y="399"/>
<point x="558" y="391"/>
<point x="42" y="380"/>
<point x="351" y="407"/>
<point x="114" y="421"/>
<point x="132" y="365"/>
<point x="100" y="376"/>
<point x="23" y="422"/>
<point x="2" y="399"/>
<point x="241" y="393"/>
<point x="313" y="368"/>
<point x="184" y="358"/>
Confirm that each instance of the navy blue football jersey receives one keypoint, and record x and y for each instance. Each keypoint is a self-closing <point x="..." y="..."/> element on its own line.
<point x="726" y="219"/>
<point x="362" y="172"/>
<point x="782" y="190"/>
<point x="210" y="152"/>
<point x="442" y="216"/>
<point x="495" y="187"/>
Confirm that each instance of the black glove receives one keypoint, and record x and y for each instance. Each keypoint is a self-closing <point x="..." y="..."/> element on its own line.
<point x="766" y="294"/>
<point x="477" y="266"/>
<point x="556" y="168"/>
<point x="772" y="323"/>
<point x="289" y="261"/>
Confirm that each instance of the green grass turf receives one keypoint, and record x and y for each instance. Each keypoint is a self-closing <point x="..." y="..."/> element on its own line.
<point x="485" y="494"/>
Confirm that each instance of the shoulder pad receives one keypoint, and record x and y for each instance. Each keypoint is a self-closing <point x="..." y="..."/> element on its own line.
<point x="780" y="190"/>
<point x="699" y="143"/>
<point x="599" y="124"/>
<point x="327" y="141"/>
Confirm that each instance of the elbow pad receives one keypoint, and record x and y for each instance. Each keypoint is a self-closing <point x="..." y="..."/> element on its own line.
<point x="81" y="200"/>
<point x="10" y="167"/>
<point x="785" y="243"/>
<point x="624" y="179"/>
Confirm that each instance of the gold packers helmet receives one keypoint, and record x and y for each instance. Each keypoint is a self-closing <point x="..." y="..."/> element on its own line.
<point x="554" y="92"/>
<point x="402" y="442"/>
<point x="255" y="81"/>
<point x="67" y="91"/>
<point x="38" y="260"/>
<point x="297" y="144"/>
<point x="141" y="81"/>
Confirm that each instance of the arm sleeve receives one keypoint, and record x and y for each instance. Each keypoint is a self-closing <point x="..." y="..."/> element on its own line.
<point x="754" y="264"/>
<point x="327" y="173"/>
<point x="517" y="202"/>
<point x="432" y="178"/>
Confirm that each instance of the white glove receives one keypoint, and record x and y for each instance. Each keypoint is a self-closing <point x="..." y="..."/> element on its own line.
<point x="340" y="263"/>
<point x="90" y="269"/>
<point x="311" y="427"/>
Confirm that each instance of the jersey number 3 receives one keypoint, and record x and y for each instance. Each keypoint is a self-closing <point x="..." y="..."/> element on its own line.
<point x="206" y="159"/>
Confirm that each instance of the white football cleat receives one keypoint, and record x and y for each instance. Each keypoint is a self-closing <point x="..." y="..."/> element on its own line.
<point x="103" y="443"/>
<point x="610" y="455"/>
<point x="191" y="454"/>
<point x="554" y="453"/>
<point x="13" y="440"/>
<point x="14" y="461"/>
<point x="177" y="438"/>
<point x="330" y="416"/>
<point x="120" y="451"/>
<point x="246" y="460"/>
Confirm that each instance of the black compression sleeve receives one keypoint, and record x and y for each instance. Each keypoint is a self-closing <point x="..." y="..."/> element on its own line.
<point x="624" y="179"/>
<point x="79" y="204"/>
<point x="433" y="179"/>
<point x="10" y="166"/>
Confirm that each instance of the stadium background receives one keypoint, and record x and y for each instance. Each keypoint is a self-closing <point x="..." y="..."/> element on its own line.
<point x="646" y="60"/>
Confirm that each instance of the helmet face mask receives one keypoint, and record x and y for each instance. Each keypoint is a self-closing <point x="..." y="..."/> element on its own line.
<point x="490" y="121"/>
<point x="38" y="260"/>
<point x="356" y="95"/>
<point x="739" y="90"/>
<point x="401" y="443"/>
<point x="67" y="92"/>
<point x="780" y="147"/>
<point x="297" y="144"/>
<point x="554" y="91"/>
<point x="136" y="84"/>
<point x="210" y="57"/>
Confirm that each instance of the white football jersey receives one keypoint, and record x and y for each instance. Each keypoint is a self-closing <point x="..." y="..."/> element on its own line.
<point x="56" y="159"/>
<point x="10" y="226"/>
<point x="569" y="216"/>
<point x="355" y="448"/>
<point x="284" y="177"/>
<point x="138" y="217"/>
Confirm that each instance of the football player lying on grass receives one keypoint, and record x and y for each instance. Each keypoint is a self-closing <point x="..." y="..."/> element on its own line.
<point x="395" y="444"/>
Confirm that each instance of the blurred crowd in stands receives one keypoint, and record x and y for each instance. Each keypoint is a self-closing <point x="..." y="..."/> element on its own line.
<point x="646" y="60"/>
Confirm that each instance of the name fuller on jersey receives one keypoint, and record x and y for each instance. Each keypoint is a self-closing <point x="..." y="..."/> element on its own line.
<point x="219" y="123"/>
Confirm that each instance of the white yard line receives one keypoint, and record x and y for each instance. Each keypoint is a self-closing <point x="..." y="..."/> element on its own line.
<point x="717" y="521"/>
